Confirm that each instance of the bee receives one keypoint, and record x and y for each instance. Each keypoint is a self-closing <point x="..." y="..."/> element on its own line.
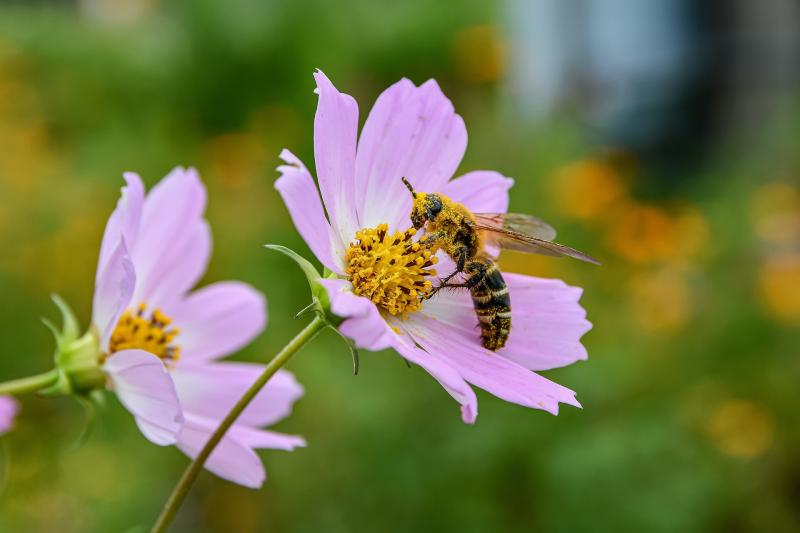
<point x="467" y="238"/>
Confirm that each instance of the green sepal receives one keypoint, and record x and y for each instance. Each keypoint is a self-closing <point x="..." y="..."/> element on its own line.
<point x="77" y="358"/>
<point x="70" y="330"/>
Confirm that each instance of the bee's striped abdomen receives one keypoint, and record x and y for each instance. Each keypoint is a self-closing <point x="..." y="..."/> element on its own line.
<point x="493" y="306"/>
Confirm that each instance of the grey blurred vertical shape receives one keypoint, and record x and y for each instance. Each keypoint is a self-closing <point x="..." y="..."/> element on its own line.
<point x="662" y="77"/>
<point x="547" y="53"/>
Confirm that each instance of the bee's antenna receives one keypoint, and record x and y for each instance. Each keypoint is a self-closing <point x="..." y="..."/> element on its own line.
<point x="410" y="188"/>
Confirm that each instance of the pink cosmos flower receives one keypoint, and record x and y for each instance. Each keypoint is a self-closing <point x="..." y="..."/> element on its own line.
<point x="8" y="411"/>
<point x="413" y="132"/>
<point x="161" y="342"/>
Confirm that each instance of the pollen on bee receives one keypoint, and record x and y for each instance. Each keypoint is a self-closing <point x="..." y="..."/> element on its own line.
<point x="390" y="270"/>
<point x="137" y="330"/>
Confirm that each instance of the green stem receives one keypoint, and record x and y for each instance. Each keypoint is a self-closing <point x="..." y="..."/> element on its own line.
<point x="193" y="470"/>
<point x="29" y="384"/>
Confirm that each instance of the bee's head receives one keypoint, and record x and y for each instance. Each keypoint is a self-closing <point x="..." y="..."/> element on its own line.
<point x="426" y="207"/>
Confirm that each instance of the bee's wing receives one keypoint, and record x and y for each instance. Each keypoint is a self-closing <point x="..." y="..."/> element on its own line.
<point x="511" y="240"/>
<point x="517" y="223"/>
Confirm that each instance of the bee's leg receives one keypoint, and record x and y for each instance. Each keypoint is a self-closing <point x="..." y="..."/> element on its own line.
<point x="471" y="282"/>
<point x="431" y="239"/>
<point x="461" y="255"/>
<point x="461" y="261"/>
<point x="442" y="284"/>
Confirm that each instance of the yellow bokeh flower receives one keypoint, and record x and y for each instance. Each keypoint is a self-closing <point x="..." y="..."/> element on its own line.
<point x="479" y="53"/>
<point x="778" y="287"/>
<point x="741" y="428"/>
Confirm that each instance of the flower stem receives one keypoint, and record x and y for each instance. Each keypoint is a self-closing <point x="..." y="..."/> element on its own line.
<point x="29" y="384"/>
<point x="193" y="470"/>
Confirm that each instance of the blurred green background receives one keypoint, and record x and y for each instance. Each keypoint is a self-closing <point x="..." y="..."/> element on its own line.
<point x="662" y="140"/>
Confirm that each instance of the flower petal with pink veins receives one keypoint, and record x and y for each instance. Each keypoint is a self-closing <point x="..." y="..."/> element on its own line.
<point x="233" y="458"/>
<point x="264" y="439"/>
<point x="369" y="330"/>
<point x="212" y="389"/>
<point x="112" y="292"/>
<point x="335" y="131"/>
<point x="454" y="338"/>
<point x="190" y="259"/>
<point x="481" y="191"/>
<point x="547" y="322"/>
<point x="8" y="412"/>
<point x="144" y="387"/>
<point x="124" y="221"/>
<point x="172" y="215"/>
<point x="218" y="320"/>
<point x="411" y="132"/>
<point x="299" y="193"/>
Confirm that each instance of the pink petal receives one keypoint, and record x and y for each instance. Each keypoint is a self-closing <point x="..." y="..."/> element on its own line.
<point x="171" y="221"/>
<point x="481" y="191"/>
<point x="263" y="439"/>
<point x="369" y="330"/>
<point x="447" y="376"/>
<point x="189" y="259"/>
<point x="233" y="458"/>
<point x="547" y="323"/>
<point x="448" y="332"/>
<point x="411" y="132"/>
<point x="124" y="221"/>
<point x="112" y="292"/>
<point x="364" y="323"/>
<point x="212" y="389"/>
<point x="335" y="130"/>
<point x="218" y="320"/>
<point x="144" y="387"/>
<point x="8" y="412"/>
<point x="301" y="197"/>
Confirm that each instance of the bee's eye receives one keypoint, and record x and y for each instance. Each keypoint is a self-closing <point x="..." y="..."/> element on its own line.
<point x="433" y="206"/>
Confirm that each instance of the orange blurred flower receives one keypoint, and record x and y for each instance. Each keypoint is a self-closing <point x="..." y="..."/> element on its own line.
<point x="588" y="189"/>
<point x="643" y="233"/>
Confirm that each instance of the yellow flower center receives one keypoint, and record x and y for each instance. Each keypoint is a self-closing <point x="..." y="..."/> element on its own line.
<point x="149" y="333"/>
<point x="390" y="270"/>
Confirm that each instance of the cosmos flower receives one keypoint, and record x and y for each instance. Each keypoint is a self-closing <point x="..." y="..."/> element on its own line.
<point x="413" y="132"/>
<point x="160" y="343"/>
<point x="8" y="411"/>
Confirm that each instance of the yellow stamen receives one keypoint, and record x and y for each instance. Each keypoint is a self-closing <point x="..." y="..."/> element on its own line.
<point x="135" y="330"/>
<point x="390" y="270"/>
